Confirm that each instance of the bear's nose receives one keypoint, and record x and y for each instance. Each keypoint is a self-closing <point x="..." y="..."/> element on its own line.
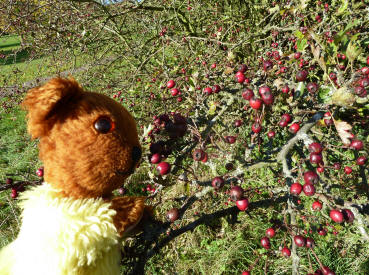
<point x="136" y="154"/>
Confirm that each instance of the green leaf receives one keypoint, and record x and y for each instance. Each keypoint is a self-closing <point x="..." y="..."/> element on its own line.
<point x="341" y="34"/>
<point x="299" y="34"/>
<point x="362" y="111"/>
<point x="324" y="95"/>
<point x="212" y="108"/>
<point x="353" y="50"/>
<point x="301" y="44"/>
<point x="343" y="7"/>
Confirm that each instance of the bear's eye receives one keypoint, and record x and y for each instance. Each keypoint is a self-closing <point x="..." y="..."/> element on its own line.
<point x="104" y="125"/>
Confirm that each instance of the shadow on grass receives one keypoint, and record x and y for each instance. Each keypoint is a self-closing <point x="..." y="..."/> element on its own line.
<point x="10" y="45"/>
<point x="157" y="235"/>
<point x="13" y="57"/>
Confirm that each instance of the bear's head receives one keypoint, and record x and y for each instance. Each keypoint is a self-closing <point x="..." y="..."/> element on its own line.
<point x="88" y="142"/>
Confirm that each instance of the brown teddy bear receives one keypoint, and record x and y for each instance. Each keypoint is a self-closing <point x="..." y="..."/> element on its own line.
<point x="71" y="224"/>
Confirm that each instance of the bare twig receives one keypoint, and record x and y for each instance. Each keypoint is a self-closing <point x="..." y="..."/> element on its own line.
<point x="18" y="184"/>
<point x="301" y="135"/>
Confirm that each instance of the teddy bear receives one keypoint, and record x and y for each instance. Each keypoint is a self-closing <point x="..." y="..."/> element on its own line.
<point x="72" y="223"/>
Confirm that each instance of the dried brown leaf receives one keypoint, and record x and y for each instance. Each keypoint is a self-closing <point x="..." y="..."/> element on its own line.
<point x="343" y="129"/>
<point x="228" y="70"/>
<point x="278" y="83"/>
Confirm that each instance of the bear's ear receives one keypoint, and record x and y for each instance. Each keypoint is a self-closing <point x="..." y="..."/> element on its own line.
<point x="42" y="103"/>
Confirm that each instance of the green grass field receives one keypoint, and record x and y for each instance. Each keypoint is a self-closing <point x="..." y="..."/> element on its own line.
<point x="17" y="67"/>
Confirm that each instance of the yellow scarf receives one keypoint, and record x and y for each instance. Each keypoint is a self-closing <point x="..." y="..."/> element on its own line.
<point x="62" y="236"/>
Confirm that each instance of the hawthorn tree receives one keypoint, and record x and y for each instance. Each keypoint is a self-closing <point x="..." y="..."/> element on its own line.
<point x="253" y="108"/>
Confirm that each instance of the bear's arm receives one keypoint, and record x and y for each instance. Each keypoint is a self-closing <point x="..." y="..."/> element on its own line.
<point x="129" y="210"/>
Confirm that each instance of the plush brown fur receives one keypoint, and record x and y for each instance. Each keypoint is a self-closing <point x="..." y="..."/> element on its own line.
<point x="78" y="159"/>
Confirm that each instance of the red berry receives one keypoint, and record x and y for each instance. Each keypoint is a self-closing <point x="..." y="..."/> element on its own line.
<point x="236" y="193"/>
<point x="286" y="117"/>
<point x="246" y="273"/>
<point x="364" y="82"/>
<point x="271" y="134"/>
<point x="163" y="168"/>
<point x="322" y="231"/>
<point x="356" y="144"/>
<point x="240" y="78"/>
<point x="208" y="91"/>
<point x="348" y="215"/>
<point x="217" y="182"/>
<point x="337" y="166"/>
<point x="230" y="139"/>
<point x="315" y="147"/>
<point x="9" y="181"/>
<point x="336" y="215"/>
<point x="242" y="68"/>
<point x="247" y="94"/>
<point x="155" y="158"/>
<point x="265" y="242"/>
<point x="242" y="204"/>
<point x="198" y="154"/>
<point x="294" y="128"/>
<point x="286" y="252"/>
<point x="328" y="271"/>
<point x="333" y="76"/>
<point x="238" y="123"/>
<point x="301" y="76"/>
<point x="310" y="242"/>
<point x="174" y="91"/>
<point x="309" y="189"/>
<point x="256" y="127"/>
<point x="297" y="55"/>
<point x="171" y="84"/>
<point x="270" y="232"/>
<point x="315" y="158"/>
<point x="255" y="103"/>
<point x="216" y="89"/>
<point x="359" y="91"/>
<point x="264" y="90"/>
<point x="267" y="65"/>
<point x="296" y="188"/>
<point x="311" y="177"/>
<point x="205" y="159"/>
<point x="361" y="160"/>
<point x="299" y="240"/>
<point x="347" y="170"/>
<point x="317" y="205"/>
<point x="267" y="97"/>
<point x="213" y="66"/>
<point x="285" y="89"/>
<point x="40" y="172"/>
<point x="14" y="193"/>
<point x="365" y="70"/>
<point x="173" y="214"/>
<point x="239" y="73"/>
<point x="312" y="87"/>
<point x="320" y="169"/>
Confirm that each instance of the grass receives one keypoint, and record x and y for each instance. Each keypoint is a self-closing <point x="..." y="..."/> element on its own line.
<point x="9" y="42"/>
<point x="18" y="160"/>
<point x="17" y="153"/>
<point x="18" y="68"/>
